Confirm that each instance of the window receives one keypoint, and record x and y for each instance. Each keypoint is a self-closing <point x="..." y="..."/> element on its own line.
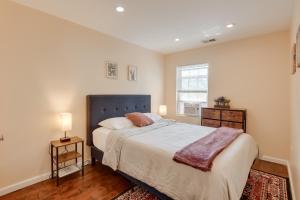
<point x="191" y="89"/>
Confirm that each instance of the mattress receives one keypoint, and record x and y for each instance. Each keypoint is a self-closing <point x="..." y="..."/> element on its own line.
<point x="99" y="137"/>
<point x="146" y="154"/>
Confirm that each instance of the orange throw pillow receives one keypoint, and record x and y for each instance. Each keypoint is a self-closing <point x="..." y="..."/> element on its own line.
<point x="139" y="119"/>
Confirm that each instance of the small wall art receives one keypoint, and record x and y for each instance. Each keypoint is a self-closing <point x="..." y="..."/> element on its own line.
<point x="132" y="73"/>
<point x="294" y="64"/>
<point x="298" y="48"/>
<point x="111" y="70"/>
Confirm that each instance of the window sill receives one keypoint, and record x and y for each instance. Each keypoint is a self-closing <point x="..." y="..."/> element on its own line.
<point x="191" y="116"/>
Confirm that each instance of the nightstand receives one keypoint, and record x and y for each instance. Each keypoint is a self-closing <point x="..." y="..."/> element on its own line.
<point x="59" y="159"/>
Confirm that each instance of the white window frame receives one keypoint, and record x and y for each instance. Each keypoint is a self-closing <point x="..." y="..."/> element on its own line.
<point x="200" y="91"/>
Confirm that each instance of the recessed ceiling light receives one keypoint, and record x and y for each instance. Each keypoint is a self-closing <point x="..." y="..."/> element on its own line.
<point x="120" y="9"/>
<point x="177" y="40"/>
<point x="230" y="25"/>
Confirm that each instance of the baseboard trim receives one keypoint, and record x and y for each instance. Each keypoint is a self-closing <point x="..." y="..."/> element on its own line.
<point x="28" y="182"/>
<point x="23" y="184"/>
<point x="283" y="162"/>
<point x="274" y="160"/>
<point x="291" y="181"/>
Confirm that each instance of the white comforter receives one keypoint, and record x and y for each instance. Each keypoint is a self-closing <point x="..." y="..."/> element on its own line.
<point x="146" y="154"/>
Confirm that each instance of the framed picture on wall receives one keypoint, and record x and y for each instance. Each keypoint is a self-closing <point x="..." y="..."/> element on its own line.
<point x="132" y="73"/>
<point x="111" y="70"/>
<point x="298" y="48"/>
<point x="294" y="64"/>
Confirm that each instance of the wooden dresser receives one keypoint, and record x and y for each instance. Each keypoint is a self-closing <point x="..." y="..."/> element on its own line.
<point x="217" y="117"/>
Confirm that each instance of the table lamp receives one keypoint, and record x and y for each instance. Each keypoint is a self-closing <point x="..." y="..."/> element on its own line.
<point x="66" y="125"/>
<point x="163" y="110"/>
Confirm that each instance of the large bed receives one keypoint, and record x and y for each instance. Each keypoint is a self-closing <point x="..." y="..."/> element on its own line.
<point x="144" y="155"/>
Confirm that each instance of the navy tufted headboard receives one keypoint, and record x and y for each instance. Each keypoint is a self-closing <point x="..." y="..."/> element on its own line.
<point x="101" y="107"/>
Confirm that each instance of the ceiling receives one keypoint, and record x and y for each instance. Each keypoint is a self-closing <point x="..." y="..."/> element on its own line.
<point x="154" y="24"/>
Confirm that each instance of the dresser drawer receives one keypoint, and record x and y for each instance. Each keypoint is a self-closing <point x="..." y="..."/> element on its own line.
<point x="211" y="113"/>
<point x="211" y="123"/>
<point x="232" y="124"/>
<point x="234" y="116"/>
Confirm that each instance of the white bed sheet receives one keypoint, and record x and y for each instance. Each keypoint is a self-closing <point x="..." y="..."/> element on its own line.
<point x="147" y="156"/>
<point x="99" y="137"/>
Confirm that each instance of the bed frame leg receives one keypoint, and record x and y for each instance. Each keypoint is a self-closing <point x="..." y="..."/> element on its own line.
<point x="93" y="161"/>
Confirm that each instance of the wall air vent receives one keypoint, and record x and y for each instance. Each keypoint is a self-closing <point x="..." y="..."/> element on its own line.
<point x="209" y="41"/>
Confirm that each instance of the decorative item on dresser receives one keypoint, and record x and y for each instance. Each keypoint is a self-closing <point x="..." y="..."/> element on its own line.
<point x="217" y="117"/>
<point x="222" y="102"/>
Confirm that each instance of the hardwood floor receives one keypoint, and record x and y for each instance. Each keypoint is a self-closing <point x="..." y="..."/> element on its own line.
<point x="271" y="168"/>
<point x="100" y="183"/>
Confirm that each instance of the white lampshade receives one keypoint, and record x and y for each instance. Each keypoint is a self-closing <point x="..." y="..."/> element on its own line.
<point x="66" y="121"/>
<point x="163" y="110"/>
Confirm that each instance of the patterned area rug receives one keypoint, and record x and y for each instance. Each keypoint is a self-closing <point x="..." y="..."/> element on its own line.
<point x="136" y="193"/>
<point x="260" y="186"/>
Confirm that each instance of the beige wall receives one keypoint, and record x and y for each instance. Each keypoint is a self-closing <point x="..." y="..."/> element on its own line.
<point x="295" y="110"/>
<point x="48" y="66"/>
<point x="254" y="74"/>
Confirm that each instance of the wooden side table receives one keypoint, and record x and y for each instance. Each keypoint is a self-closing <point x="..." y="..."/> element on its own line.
<point x="61" y="158"/>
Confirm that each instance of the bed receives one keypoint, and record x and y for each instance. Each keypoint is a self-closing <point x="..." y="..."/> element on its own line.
<point x="146" y="156"/>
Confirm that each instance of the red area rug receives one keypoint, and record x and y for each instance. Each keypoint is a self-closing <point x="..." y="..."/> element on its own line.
<point x="263" y="186"/>
<point x="136" y="193"/>
<point x="260" y="186"/>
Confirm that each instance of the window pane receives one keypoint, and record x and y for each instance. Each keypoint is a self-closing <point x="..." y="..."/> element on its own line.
<point x="192" y="97"/>
<point x="192" y="88"/>
<point x="193" y="71"/>
<point x="184" y="84"/>
<point x="193" y="84"/>
<point x="202" y="84"/>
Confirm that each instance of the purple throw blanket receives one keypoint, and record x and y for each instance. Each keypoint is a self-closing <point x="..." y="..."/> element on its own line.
<point x="201" y="154"/>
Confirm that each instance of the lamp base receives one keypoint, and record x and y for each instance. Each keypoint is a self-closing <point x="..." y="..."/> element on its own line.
<point x="65" y="139"/>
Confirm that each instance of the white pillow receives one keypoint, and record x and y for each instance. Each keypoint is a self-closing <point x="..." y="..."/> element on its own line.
<point x="116" y="123"/>
<point x="153" y="116"/>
